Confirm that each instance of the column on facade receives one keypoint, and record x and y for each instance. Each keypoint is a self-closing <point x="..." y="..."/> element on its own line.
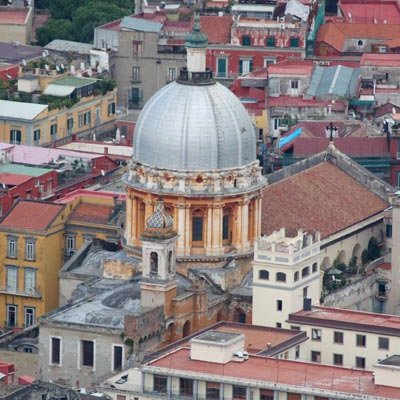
<point x="148" y="210"/>
<point x="256" y="221"/>
<point x="245" y="225"/>
<point x="187" y="231"/>
<point x="238" y="227"/>
<point x="209" y="230"/>
<point x="180" y="247"/>
<point x="257" y="217"/>
<point x="217" y="230"/>
<point x="128" y="219"/>
<point x="134" y="220"/>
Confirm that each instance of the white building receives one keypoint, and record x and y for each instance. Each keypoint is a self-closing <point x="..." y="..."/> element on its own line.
<point x="285" y="272"/>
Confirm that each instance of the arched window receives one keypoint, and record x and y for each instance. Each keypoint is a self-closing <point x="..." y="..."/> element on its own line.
<point x="197" y="226"/>
<point x="280" y="277"/>
<point x="227" y="226"/>
<point x="153" y="262"/>
<point x="296" y="276"/>
<point x="263" y="274"/>
<point x="170" y="261"/>
<point x="305" y="272"/>
<point x="315" y="267"/>
<point x="186" y="329"/>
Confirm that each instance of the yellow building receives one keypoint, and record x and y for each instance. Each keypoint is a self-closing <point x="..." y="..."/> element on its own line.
<point x="31" y="237"/>
<point x="74" y="105"/>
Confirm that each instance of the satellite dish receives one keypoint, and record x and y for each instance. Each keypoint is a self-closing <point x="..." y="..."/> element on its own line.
<point x="57" y="68"/>
<point x="4" y="186"/>
<point x="394" y="110"/>
<point x="103" y="172"/>
<point x="62" y="66"/>
<point x="24" y="62"/>
<point x="47" y="67"/>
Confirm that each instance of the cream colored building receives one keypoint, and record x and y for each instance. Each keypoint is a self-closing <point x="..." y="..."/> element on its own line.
<point x="286" y="271"/>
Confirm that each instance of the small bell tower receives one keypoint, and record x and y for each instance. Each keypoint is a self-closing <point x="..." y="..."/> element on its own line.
<point x="158" y="285"/>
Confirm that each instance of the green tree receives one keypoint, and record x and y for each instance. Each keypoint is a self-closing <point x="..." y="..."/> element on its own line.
<point x="55" y="29"/>
<point x="87" y="17"/>
<point x="374" y="251"/>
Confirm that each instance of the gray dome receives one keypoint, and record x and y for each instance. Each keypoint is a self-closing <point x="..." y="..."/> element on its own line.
<point x="189" y="127"/>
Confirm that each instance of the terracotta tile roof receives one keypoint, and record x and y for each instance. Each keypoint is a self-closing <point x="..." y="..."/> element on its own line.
<point x="322" y="198"/>
<point x="335" y="33"/>
<point x="13" y="16"/>
<point x="218" y="29"/>
<point x="370" y="10"/>
<point x="381" y="60"/>
<point x="352" y="146"/>
<point x="13" y="179"/>
<point x="31" y="215"/>
<point x="291" y="67"/>
<point x="279" y="371"/>
<point x="298" y="101"/>
<point x="386" y="108"/>
<point x="91" y="213"/>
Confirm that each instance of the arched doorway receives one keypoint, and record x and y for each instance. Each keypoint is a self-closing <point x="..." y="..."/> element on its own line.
<point x="171" y="331"/>
<point x="239" y="316"/>
<point x="326" y="263"/>
<point x="186" y="329"/>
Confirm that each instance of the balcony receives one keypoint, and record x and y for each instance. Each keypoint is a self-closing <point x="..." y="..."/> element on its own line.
<point x="24" y="293"/>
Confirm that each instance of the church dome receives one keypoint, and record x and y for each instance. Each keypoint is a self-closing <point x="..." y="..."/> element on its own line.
<point x="191" y="127"/>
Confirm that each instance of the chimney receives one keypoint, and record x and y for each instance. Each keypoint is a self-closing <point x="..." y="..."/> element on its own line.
<point x="105" y="150"/>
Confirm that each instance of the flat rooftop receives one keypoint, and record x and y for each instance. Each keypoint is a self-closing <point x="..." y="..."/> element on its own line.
<point x="217" y="337"/>
<point x="348" y="319"/>
<point x="12" y="16"/>
<point x="272" y="372"/>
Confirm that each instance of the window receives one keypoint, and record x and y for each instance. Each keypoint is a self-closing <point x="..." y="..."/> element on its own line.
<point x="53" y="131"/>
<point x="55" y="351"/>
<point x="279" y="305"/>
<point x="389" y="230"/>
<point x="212" y="390"/>
<point x="197" y="228"/>
<point x="294" y="327"/>
<point x="266" y="394"/>
<point x="296" y="276"/>
<point x="297" y="352"/>
<point x="36" y="136"/>
<point x="12" y="247"/>
<point x="30" y="250"/>
<point x="186" y="387"/>
<point x="280" y="277"/>
<point x="315" y="267"/>
<point x="222" y="67"/>
<point x="135" y="74"/>
<point x="136" y="96"/>
<point x="84" y="119"/>
<point x="305" y="292"/>
<point x="70" y="242"/>
<point x="87" y="353"/>
<point x="338" y="359"/>
<point x="136" y="47"/>
<point x="338" y="337"/>
<point x="172" y="74"/>
<point x="111" y="109"/>
<point x="305" y="272"/>
<point x="239" y="392"/>
<point x="70" y="124"/>
<point x="153" y="263"/>
<point x="225" y="227"/>
<point x="279" y="325"/>
<point x="360" y="362"/>
<point x="361" y="340"/>
<point x="360" y="43"/>
<point x="316" y="335"/>
<point x="383" y="343"/>
<point x="122" y="397"/>
<point x="294" y="42"/>
<point x="263" y="274"/>
<point x="12" y="279"/>
<point x="268" y="61"/>
<point x="15" y="136"/>
<point x="294" y="84"/>
<point x="245" y="66"/>
<point x="316" y="356"/>
<point x="246" y="40"/>
<point x="118" y="352"/>
<point x="271" y="42"/>
<point x="30" y="280"/>
<point x="160" y="383"/>
<point x="12" y="313"/>
<point x="29" y="316"/>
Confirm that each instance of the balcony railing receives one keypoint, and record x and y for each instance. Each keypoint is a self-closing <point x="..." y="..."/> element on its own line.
<point x="30" y="293"/>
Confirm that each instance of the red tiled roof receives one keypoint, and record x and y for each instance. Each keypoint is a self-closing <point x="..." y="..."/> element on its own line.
<point x="384" y="109"/>
<point x="279" y="371"/>
<point x="13" y="16"/>
<point x="291" y="67"/>
<point x="91" y="213"/>
<point x="370" y="10"/>
<point x="32" y="215"/>
<point x="13" y="179"/>
<point x="322" y="198"/>
<point x="335" y="33"/>
<point x="8" y="73"/>
<point x="353" y="316"/>
<point x="385" y="266"/>
<point x="352" y="146"/>
<point x="298" y="101"/>
<point x="218" y="29"/>
<point x="381" y="60"/>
